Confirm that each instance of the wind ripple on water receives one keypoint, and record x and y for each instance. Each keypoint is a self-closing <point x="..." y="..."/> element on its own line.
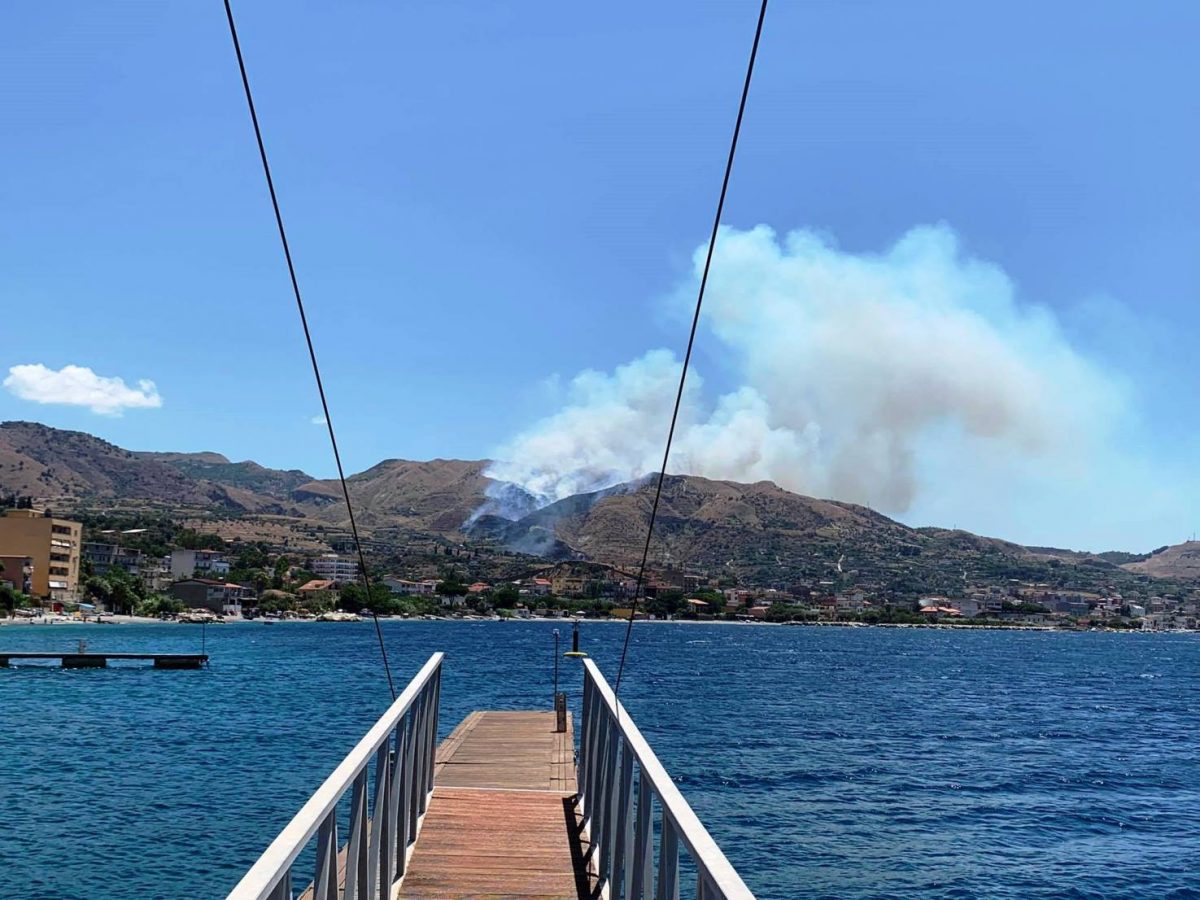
<point x="860" y="763"/>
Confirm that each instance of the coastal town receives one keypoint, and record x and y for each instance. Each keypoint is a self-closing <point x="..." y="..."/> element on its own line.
<point x="56" y="569"/>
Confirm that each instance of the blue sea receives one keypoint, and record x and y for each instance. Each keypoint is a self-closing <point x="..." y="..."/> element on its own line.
<point x="827" y="762"/>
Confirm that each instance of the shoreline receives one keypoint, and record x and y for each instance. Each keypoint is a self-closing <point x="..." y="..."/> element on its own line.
<point x="59" y="622"/>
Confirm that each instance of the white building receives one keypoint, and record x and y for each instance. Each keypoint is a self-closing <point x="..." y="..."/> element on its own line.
<point x="198" y="563"/>
<point x="332" y="567"/>
<point x="404" y="588"/>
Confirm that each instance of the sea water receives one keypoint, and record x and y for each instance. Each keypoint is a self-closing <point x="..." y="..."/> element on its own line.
<point x="826" y="762"/>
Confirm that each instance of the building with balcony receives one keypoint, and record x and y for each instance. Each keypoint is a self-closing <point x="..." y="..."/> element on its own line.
<point x="341" y="569"/>
<point x="222" y="598"/>
<point x="104" y="557"/>
<point x="53" y="547"/>
<point x="198" y="563"/>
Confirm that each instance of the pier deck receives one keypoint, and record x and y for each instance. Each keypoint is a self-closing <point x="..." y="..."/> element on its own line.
<point x="500" y="821"/>
<point x="100" y="660"/>
<point x="496" y="811"/>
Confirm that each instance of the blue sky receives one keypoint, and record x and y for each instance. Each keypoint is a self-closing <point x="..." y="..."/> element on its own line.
<point x="486" y="199"/>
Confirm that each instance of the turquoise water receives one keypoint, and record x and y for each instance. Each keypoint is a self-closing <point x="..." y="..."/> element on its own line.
<point x="826" y="762"/>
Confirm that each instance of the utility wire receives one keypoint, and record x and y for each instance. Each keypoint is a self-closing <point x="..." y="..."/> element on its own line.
<point x="687" y="357"/>
<point x="312" y="353"/>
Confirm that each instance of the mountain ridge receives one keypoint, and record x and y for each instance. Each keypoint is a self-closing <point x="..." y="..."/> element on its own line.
<point x="758" y="531"/>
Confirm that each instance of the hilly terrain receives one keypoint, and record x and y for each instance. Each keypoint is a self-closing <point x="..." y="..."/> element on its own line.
<point x="71" y="469"/>
<point x="248" y="475"/>
<point x="758" y="533"/>
<point x="1179" y="561"/>
<point x="762" y="534"/>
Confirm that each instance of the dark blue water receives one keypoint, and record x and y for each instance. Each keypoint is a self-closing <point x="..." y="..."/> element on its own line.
<point x="826" y="762"/>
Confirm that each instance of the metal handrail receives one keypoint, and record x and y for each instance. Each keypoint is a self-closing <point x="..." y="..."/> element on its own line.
<point x="620" y="820"/>
<point x="403" y="745"/>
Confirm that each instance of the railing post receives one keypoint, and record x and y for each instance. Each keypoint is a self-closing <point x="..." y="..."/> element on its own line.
<point x="595" y="760"/>
<point x="399" y="798"/>
<point x="433" y="725"/>
<point x="584" y="742"/>
<point x="356" y="849"/>
<point x="668" y="861"/>
<point x="608" y="798"/>
<point x="643" y="841"/>
<point x="378" y="855"/>
<point x="325" y="886"/>
<point x="410" y="803"/>
<point x="623" y="842"/>
<point x="283" y="890"/>
<point x="419" y="776"/>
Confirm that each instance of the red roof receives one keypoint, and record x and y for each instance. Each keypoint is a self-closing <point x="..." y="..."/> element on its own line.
<point x="317" y="584"/>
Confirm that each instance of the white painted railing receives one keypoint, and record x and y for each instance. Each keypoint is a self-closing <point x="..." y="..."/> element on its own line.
<point x="402" y="744"/>
<point x="621" y="820"/>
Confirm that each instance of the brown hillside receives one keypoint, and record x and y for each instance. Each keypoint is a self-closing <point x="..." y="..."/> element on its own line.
<point x="435" y="495"/>
<point x="72" y="468"/>
<point x="761" y="533"/>
<point x="1179" y="561"/>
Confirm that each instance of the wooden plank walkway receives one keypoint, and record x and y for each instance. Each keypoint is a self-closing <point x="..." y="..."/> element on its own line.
<point x="501" y="822"/>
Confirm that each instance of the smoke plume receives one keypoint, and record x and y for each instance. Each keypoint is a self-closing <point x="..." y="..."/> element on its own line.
<point x="845" y="368"/>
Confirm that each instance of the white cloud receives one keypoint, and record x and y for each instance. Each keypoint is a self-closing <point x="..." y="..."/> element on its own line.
<point x="850" y="369"/>
<point x="80" y="386"/>
<point x="318" y="420"/>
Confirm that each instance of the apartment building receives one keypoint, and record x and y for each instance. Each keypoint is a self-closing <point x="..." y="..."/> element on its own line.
<point x="51" y="545"/>
<point x="333" y="567"/>
<point x="200" y="563"/>
<point x="105" y="557"/>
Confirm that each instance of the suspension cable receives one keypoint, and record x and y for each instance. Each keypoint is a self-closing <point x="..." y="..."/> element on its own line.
<point x="312" y="353"/>
<point x="687" y="357"/>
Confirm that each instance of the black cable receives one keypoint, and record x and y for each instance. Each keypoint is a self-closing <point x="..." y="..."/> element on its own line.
<point x="687" y="357"/>
<point x="312" y="353"/>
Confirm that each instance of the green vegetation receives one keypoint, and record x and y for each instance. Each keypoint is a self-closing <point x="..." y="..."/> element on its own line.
<point x="666" y="603"/>
<point x="155" y="535"/>
<point x="117" y="590"/>
<point x="382" y="602"/>
<point x="187" y="539"/>
<point x="157" y="605"/>
<point x="1027" y="609"/>
<point x="506" y="596"/>
<point x="11" y="600"/>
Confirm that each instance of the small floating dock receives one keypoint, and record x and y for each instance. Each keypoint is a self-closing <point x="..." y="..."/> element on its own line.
<point x="100" y="660"/>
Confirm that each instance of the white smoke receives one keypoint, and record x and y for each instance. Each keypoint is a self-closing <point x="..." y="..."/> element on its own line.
<point x="848" y="364"/>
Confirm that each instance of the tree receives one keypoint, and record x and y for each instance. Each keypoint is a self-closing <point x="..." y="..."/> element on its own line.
<point x="381" y="602"/>
<point x="781" y="612"/>
<point x="451" y="586"/>
<point x="98" y="589"/>
<point x="117" y="590"/>
<point x="280" y="572"/>
<point x="664" y="603"/>
<point x="193" y="540"/>
<point x="157" y="605"/>
<point x="10" y="600"/>
<point x="506" y="596"/>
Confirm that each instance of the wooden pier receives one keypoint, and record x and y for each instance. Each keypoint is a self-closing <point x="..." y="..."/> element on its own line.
<point x="499" y="809"/>
<point x="501" y="821"/>
<point x="90" y="660"/>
